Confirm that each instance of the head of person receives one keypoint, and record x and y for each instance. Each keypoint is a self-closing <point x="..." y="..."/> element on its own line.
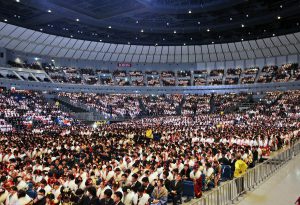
<point x="21" y="194"/>
<point x="141" y="191"/>
<point x="41" y="194"/>
<point x="178" y="177"/>
<point x="160" y="183"/>
<point x="91" y="191"/>
<point x="107" y="193"/>
<point x="117" y="196"/>
<point x="145" y="181"/>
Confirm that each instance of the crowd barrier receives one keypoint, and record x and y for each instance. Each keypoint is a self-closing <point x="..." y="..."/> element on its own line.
<point x="229" y="192"/>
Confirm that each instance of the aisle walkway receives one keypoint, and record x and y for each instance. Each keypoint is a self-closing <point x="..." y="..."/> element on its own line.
<point x="281" y="189"/>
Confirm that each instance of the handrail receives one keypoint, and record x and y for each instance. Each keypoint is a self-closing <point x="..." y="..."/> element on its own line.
<point x="230" y="191"/>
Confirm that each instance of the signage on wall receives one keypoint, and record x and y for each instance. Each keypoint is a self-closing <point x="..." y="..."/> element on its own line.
<point x="124" y="64"/>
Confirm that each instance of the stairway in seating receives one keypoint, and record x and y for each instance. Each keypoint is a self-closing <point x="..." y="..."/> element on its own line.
<point x="179" y="107"/>
<point x="142" y="107"/>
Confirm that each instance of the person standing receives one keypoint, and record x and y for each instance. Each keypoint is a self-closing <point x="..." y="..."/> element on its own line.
<point x="240" y="170"/>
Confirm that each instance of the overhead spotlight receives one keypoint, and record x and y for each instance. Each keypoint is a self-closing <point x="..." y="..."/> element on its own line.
<point x="190" y="11"/>
<point x="198" y="22"/>
<point x="242" y="39"/>
<point x="164" y="39"/>
<point x="49" y="11"/>
<point x="142" y="30"/>
<point x="247" y="15"/>
<point x="52" y="60"/>
<point x="128" y="42"/>
<point x="230" y="19"/>
<point x="212" y="42"/>
<point x="280" y="6"/>
<point x="36" y="58"/>
<point x="77" y="19"/>
<point x="100" y="40"/>
<point x="273" y="34"/>
<point x="243" y="25"/>
<point x="71" y="36"/>
<point x="168" y="23"/>
<point x="136" y="38"/>
<point x="109" y="26"/>
<point x="137" y="22"/>
<point x="184" y="44"/>
<point x="278" y="17"/>
<point x="41" y="29"/>
<point x="191" y="39"/>
<point x="18" y="1"/>
<point x="208" y="30"/>
<point x="174" y="31"/>
<point x="5" y="20"/>
<point x="156" y="44"/>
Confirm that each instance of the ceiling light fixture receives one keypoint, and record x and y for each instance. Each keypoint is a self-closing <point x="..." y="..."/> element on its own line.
<point x="230" y="19"/>
<point x="77" y="19"/>
<point x="243" y="25"/>
<point x="278" y="17"/>
<point x="142" y="31"/>
<point x="5" y="20"/>
<point x="208" y="30"/>
<point x="174" y="31"/>
<point x="109" y="26"/>
<point x="41" y="29"/>
<point x="190" y="11"/>
<point x="18" y="1"/>
<point x="49" y="11"/>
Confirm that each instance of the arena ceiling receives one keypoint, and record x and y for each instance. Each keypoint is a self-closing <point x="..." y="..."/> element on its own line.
<point x="156" y="22"/>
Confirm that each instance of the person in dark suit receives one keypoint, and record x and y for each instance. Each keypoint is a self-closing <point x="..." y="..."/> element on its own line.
<point x="147" y="186"/>
<point x="117" y="198"/>
<point x="107" y="200"/>
<point x="40" y="199"/>
<point x="176" y="189"/>
<point x="135" y="183"/>
<point x="185" y="173"/>
<point x="78" y="198"/>
<point x="167" y="182"/>
<point x="91" y="198"/>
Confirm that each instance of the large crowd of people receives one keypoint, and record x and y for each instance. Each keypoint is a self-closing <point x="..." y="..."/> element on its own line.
<point x="49" y="158"/>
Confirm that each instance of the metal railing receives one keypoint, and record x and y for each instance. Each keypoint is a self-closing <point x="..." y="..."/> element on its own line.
<point x="230" y="191"/>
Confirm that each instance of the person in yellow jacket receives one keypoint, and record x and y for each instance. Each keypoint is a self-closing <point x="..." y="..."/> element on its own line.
<point x="240" y="166"/>
<point x="240" y="170"/>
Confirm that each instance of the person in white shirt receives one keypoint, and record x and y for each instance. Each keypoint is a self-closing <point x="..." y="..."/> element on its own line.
<point x="141" y="198"/>
<point x="101" y="190"/>
<point x="128" y="196"/>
